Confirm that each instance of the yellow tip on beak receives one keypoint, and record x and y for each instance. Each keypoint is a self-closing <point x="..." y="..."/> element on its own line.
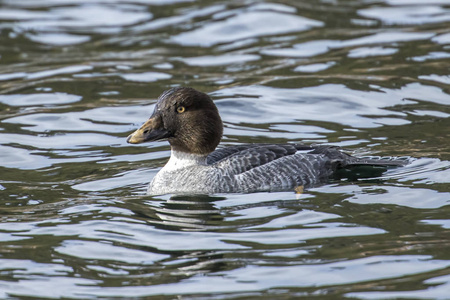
<point x="150" y="131"/>
<point x="139" y="136"/>
<point x="136" y="137"/>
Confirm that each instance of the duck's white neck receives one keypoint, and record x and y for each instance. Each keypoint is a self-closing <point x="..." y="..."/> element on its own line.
<point x="180" y="160"/>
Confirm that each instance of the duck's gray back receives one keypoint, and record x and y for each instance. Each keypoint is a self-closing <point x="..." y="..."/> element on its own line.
<point x="252" y="168"/>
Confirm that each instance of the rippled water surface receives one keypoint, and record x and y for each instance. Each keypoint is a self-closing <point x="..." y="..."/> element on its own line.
<point x="77" y="76"/>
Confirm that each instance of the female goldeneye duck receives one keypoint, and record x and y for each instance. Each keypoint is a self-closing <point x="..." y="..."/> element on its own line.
<point x="191" y="123"/>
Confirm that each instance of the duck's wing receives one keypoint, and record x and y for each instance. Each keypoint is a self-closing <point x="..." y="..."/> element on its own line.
<point x="242" y="158"/>
<point x="278" y="167"/>
<point x="222" y="153"/>
<point x="246" y="157"/>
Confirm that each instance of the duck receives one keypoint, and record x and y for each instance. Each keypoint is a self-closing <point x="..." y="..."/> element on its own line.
<point x="190" y="121"/>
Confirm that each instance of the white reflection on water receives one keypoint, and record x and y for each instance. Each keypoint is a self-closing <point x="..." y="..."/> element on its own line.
<point x="122" y="231"/>
<point x="314" y="68"/>
<point x="78" y="75"/>
<point x="437" y="78"/>
<point x="307" y="49"/>
<point x="245" y="25"/>
<point x="403" y="196"/>
<point x="321" y="103"/>
<point x="404" y="14"/>
<point x="146" y="76"/>
<point x="58" y="39"/>
<point x="250" y="278"/>
<point x="38" y="99"/>
<point x="436" y="288"/>
<point x="432" y="56"/>
<point x="44" y="74"/>
<point x="317" y="47"/>
<point x="23" y="159"/>
<point x="93" y="17"/>
<point x="107" y="251"/>
<point x="220" y="60"/>
<point x="371" y="51"/>
<point x="442" y="39"/>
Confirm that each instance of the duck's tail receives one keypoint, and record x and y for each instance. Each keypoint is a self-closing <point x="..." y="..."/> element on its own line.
<point x="353" y="167"/>
<point x="385" y="161"/>
<point x="368" y="166"/>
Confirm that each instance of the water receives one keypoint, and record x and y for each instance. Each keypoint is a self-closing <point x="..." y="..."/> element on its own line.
<point x="77" y="76"/>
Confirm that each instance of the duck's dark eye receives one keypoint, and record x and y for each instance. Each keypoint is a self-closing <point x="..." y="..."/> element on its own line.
<point x="180" y="109"/>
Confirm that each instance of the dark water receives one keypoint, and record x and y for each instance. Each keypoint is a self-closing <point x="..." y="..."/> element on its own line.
<point x="77" y="76"/>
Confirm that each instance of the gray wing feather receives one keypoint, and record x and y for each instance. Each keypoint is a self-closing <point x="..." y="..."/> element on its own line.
<point x="266" y="152"/>
<point x="277" y="167"/>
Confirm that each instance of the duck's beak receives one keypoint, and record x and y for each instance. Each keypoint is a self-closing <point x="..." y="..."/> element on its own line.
<point x="152" y="130"/>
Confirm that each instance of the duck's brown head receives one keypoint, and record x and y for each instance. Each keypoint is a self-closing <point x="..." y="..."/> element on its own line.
<point x="187" y="118"/>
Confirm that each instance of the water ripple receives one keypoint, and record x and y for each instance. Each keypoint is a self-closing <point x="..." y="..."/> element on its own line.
<point x="77" y="76"/>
